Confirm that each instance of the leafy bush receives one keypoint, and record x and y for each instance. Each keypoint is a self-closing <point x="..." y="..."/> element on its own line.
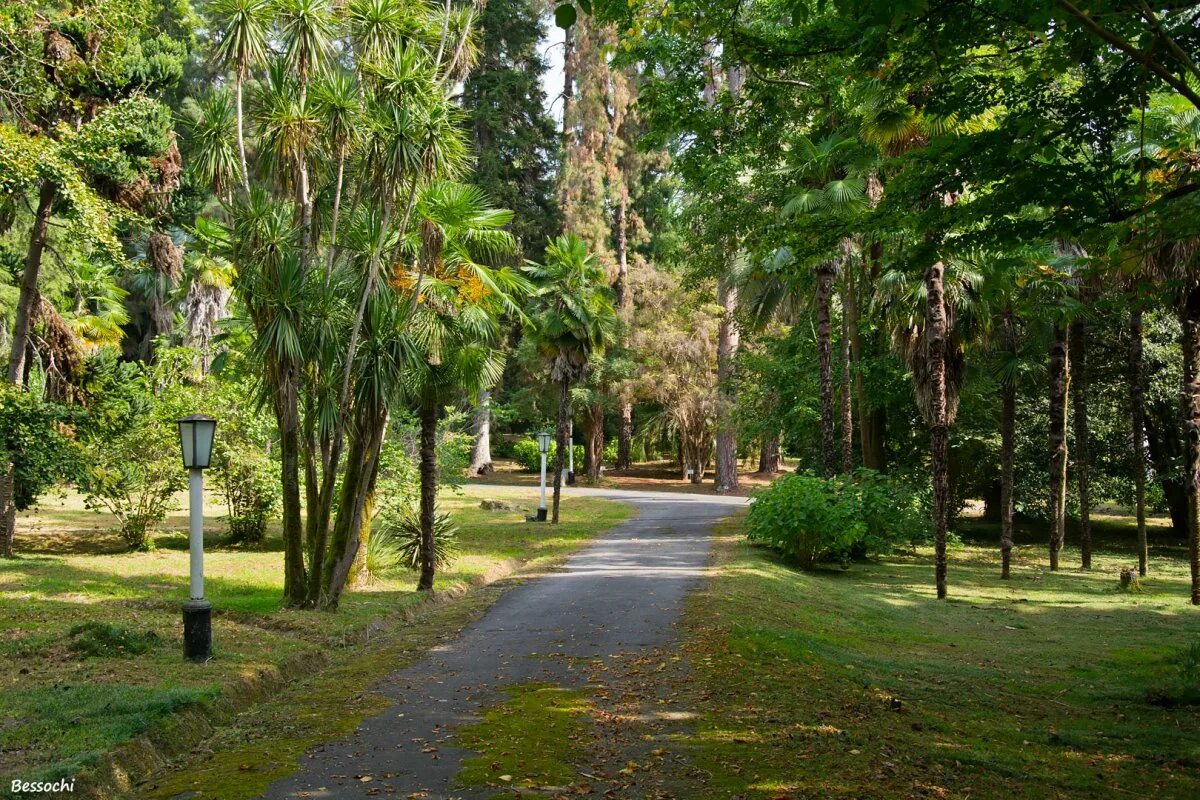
<point x="609" y="456"/>
<point x="396" y="541"/>
<point x="37" y="438"/>
<point x="249" y="482"/>
<point x="132" y="465"/>
<point x="526" y="453"/>
<point x="809" y="519"/>
<point x="102" y="639"/>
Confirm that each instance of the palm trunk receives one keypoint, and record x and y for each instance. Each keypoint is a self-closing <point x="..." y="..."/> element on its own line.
<point x="847" y="408"/>
<point x="481" y="454"/>
<point x="1059" y="386"/>
<point x="870" y="418"/>
<point x="241" y="136"/>
<point x="337" y="207"/>
<point x="27" y="301"/>
<point x="357" y="489"/>
<point x="1079" y="398"/>
<point x="825" y="355"/>
<point x="287" y="418"/>
<point x="1190" y="318"/>
<point x="1008" y="436"/>
<point x="624" y="305"/>
<point x="939" y="427"/>
<point x="728" y="339"/>
<point x="429" y="420"/>
<point x="1137" y="414"/>
<point x="564" y="417"/>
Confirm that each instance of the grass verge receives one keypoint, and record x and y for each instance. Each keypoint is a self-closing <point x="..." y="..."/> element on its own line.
<point x="860" y="684"/>
<point x="72" y="612"/>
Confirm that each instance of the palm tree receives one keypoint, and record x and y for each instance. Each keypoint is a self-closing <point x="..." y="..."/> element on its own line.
<point x="338" y="106"/>
<point x="244" y="26"/>
<point x="930" y="318"/>
<point x="213" y="139"/>
<point x="572" y="318"/>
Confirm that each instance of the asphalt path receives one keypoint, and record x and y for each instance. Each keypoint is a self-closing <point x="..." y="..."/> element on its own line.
<point x="622" y="593"/>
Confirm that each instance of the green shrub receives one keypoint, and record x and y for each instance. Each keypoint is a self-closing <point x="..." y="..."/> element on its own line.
<point x="526" y="453"/>
<point x="249" y="482"/>
<point x="809" y="519"/>
<point x="609" y="456"/>
<point x="101" y="639"/>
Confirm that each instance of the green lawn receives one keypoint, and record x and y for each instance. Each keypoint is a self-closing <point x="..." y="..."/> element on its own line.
<point x="859" y="683"/>
<point x="60" y="709"/>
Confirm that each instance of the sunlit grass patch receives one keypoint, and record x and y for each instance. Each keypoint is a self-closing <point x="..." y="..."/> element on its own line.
<point x="534" y="739"/>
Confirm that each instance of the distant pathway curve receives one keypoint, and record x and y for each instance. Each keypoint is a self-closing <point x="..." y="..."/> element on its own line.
<point x="623" y="592"/>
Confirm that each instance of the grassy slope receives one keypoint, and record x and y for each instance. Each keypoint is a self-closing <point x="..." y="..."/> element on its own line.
<point x="58" y="711"/>
<point x="859" y="684"/>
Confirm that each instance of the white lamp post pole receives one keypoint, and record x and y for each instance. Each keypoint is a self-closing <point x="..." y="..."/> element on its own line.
<point x="196" y="532"/>
<point x="571" y="453"/>
<point x="196" y="434"/>
<point x="543" y="448"/>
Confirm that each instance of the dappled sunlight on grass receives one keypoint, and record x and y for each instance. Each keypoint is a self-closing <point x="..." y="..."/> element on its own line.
<point x="1032" y="687"/>
<point x="72" y="570"/>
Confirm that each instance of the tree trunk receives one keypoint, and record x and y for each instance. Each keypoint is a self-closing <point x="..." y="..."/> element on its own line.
<point x="1008" y="437"/>
<point x="241" y="136"/>
<point x="27" y="301"/>
<point x="625" y="436"/>
<point x="1137" y="415"/>
<point x="429" y="420"/>
<point x="595" y="441"/>
<point x="481" y="455"/>
<point x="568" y="93"/>
<point x="287" y="419"/>
<point x="8" y="512"/>
<point x="871" y="421"/>
<point x="1059" y="386"/>
<point x="1079" y="399"/>
<point x="825" y="355"/>
<point x="939" y="429"/>
<point x="562" y="442"/>
<point x="768" y="454"/>
<point x="728" y="338"/>
<point x="847" y="408"/>
<point x="1189" y="317"/>
<point x="335" y="214"/>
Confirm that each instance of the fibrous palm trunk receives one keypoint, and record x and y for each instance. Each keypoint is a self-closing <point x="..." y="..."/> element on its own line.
<point x="870" y="418"/>
<point x="1059" y="386"/>
<point x="563" y="441"/>
<point x="847" y="408"/>
<point x="825" y="276"/>
<point x="1079" y="399"/>
<point x="1189" y="317"/>
<point x="939" y="422"/>
<point x="1008" y="435"/>
<point x="1137" y="414"/>
<point x="241" y="136"/>
<point x="728" y="338"/>
<point x="429" y="420"/>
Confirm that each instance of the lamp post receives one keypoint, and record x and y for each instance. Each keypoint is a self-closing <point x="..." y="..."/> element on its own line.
<point x="196" y="434"/>
<point x="543" y="448"/>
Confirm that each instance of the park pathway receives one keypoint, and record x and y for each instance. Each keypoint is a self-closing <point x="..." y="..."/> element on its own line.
<point x="621" y="594"/>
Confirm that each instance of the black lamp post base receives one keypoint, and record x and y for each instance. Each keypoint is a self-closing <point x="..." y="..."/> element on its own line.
<point x="197" y="630"/>
<point x="539" y="517"/>
<point x="571" y="478"/>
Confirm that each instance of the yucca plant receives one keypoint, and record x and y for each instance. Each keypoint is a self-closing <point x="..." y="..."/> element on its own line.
<point x="396" y="542"/>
